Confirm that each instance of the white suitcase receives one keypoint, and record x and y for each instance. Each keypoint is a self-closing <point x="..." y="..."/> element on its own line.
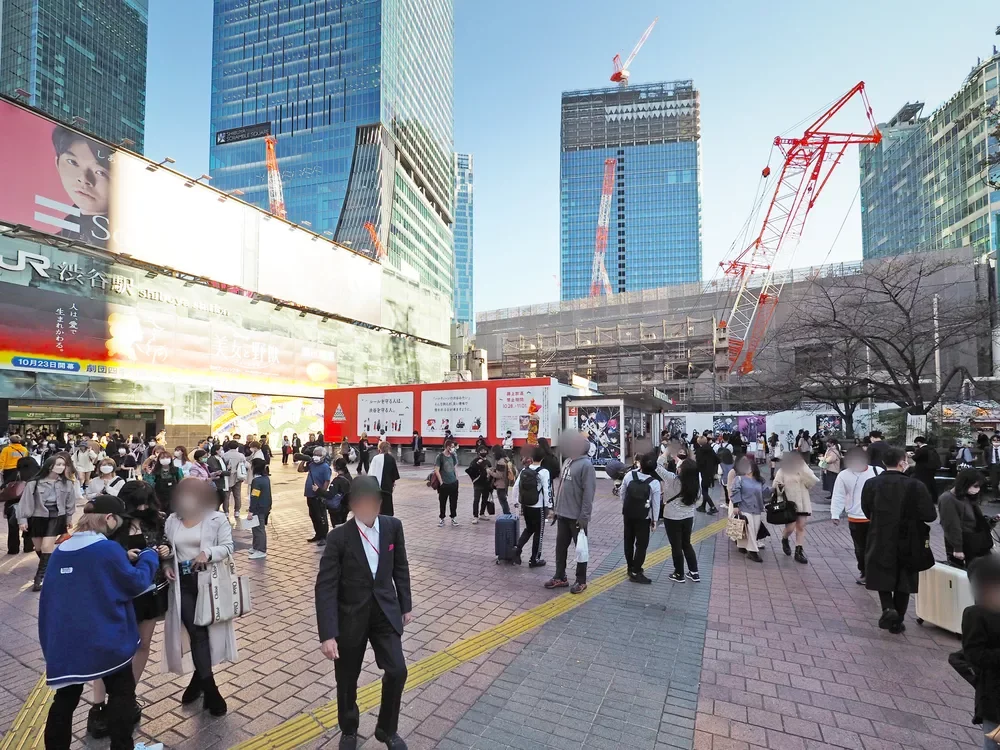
<point x="942" y="597"/>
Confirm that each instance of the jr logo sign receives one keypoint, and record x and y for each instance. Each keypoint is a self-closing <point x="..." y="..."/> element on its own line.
<point x="38" y="263"/>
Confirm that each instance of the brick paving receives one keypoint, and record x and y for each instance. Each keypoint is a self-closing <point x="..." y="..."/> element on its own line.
<point x="774" y="656"/>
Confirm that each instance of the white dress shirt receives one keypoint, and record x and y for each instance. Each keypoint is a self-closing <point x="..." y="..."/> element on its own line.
<point x="994" y="454"/>
<point x="371" y="550"/>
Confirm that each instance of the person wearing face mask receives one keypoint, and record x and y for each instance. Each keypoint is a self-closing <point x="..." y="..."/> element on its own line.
<point x="106" y="482"/>
<point x="318" y="476"/>
<point x="482" y="484"/>
<point x="220" y="472"/>
<point x="199" y="469"/>
<point x="967" y="533"/>
<point x="164" y="478"/>
<point x="46" y="509"/>
<point x="127" y="465"/>
<point x="202" y="543"/>
<point x="181" y="460"/>
<point x="444" y="470"/>
<point x="85" y="457"/>
<point x="846" y="497"/>
<point x="151" y="447"/>
<point x="90" y="593"/>
<point x="142" y="528"/>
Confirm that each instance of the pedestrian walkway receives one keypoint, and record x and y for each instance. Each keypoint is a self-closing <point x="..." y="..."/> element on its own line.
<point x="780" y="655"/>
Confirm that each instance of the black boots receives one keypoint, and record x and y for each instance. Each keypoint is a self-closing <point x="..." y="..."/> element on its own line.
<point x="800" y="556"/>
<point x="43" y="564"/>
<point x="755" y="557"/>
<point x="215" y="704"/>
<point x="193" y="691"/>
<point x="786" y="547"/>
<point x="97" y="722"/>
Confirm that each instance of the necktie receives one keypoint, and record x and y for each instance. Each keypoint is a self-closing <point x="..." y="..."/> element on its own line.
<point x="996" y="455"/>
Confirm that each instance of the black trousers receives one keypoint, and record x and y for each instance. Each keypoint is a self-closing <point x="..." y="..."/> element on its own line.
<point x="364" y="461"/>
<point x="388" y="509"/>
<point x="636" y="544"/>
<point x="121" y="710"/>
<point x="679" y="534"/>
<point x="532" y="528"/>
<point x="481" y="499"/>
<point x="859" y="535"/>
<point x="706" y="484"/>
<point x="502" y="497"/>
<point x="388" y="648"/>
<point x="201" y="651"/>
<point x="566" y="531"/>
<point x="318" y="516"/>
<point x="15" y="537"/>
<point x="284" y="457"/>
<point x="994" y="480"/>
<point x="448" y="495"/>
<point x="897" y="600"/>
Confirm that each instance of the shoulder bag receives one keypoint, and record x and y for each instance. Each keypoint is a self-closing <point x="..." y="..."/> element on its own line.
<point x="779" y="509"/>
<point x="224" y="596"/>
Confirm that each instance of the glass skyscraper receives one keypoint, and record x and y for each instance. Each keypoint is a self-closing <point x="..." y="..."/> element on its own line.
<point x="924" y="186"/>
<point x="654" y="239"/>
<point x="464" y="309"/>
<point x="83" y="59"/>
<point x="358" y="94"/>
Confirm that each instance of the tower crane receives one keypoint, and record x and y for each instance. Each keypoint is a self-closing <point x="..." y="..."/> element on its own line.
<point x="380" y="252"/>
<point x="599" y="281"/>
<point x="621" y="74"/>
<point x="275" y="192"/>
<point x="809" y="162"/>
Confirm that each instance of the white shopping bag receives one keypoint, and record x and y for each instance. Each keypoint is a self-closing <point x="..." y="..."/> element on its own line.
<point x="582" y="547"/>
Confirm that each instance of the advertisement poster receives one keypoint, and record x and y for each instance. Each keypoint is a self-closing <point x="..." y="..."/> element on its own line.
<point x="602" y="426"/>
<point x="829" y="423"/>
<point x="725" y="423"/>
<point x="675" y="426"/>
<point x="274" y="416"/>
<point x="753" y="426"/>
<point x="522" y="410"/>
<point x="386" y="414"/>
<point x="460" y="413"/>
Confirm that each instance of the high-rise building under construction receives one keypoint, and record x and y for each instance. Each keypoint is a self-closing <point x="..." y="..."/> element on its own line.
<point x="654" y="236"/>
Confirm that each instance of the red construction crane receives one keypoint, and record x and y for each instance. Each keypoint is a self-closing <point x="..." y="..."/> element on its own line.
<point x="275" y="193"/>
<point x="380" y="252"/>
<point x="809" y="162"/>
<point x="621" y="74"/>
<point x="599" y="281"/>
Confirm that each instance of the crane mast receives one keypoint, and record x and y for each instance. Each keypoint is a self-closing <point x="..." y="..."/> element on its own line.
<point x="275" y="192"/>
<point x="599" y="281"/>
<point x="808" y="163"/>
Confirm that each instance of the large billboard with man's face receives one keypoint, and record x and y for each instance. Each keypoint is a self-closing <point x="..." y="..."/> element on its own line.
<point x="61" y="182"/>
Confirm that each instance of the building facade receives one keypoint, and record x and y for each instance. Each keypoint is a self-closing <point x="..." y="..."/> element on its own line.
<point x="463" y="239"/>
<point x="924" y="186"/>
<point x="359" y="95"/>
<point x="82" y="62"/>
<point x="652" y="131"/>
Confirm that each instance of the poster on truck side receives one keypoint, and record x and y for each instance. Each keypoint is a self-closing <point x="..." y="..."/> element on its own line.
<point x="524" y="411"/>
<point x="386" y="414"/>
<point x="459" y="413"/>
<point x="601" y="424"/>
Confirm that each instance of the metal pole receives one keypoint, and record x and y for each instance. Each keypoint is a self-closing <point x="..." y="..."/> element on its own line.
<point x="937" y="348"/>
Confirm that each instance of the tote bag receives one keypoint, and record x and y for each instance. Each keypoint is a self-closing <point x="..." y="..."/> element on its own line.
<point x="224" y="596"/>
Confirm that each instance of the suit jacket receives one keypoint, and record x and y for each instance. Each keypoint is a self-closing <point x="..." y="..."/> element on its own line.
<point x="345" y="588"/>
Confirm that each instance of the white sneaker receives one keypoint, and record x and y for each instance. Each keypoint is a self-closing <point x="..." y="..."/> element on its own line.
<point x="454" y="522"/>
<point x="475" y="520"/>
<point x="440" y="523"/>
<point x="144" y="746"/>
<point x="256" y="555"/>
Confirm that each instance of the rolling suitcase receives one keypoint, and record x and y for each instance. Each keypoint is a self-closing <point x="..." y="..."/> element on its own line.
<point x="506" y="532"/>
<point x="942" y="597"/>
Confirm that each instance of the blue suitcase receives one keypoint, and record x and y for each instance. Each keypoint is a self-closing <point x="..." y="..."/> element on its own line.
<point x="506" y="532"/>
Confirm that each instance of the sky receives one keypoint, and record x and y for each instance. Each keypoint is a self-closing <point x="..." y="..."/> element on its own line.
<point x="761" y="68"/>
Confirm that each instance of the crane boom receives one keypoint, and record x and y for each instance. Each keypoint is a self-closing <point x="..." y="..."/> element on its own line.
<point x="380" y="252"/>
<point x="275" y="192"/>
<point x="621" y="73"/>
<point x="599" y="281"/>
<point x="809" y="162"/>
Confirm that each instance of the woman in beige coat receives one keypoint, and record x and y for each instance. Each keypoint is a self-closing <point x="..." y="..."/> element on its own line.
<point x="202" y="541"/>
<point x="795" y="479"/>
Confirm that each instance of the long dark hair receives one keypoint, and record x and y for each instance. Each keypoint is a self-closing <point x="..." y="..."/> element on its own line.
<point x="51" y="461"/>
<point x="340" y="466"/>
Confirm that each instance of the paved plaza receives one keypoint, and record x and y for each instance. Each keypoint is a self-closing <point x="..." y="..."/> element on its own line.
<point x="780" y="655"/>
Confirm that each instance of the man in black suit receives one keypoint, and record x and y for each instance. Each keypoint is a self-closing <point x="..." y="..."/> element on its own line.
<point x="418" y="448"/>
<point x="362" y="595"/>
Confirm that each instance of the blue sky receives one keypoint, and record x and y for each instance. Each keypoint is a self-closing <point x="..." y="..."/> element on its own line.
<point x="761" y="67"/>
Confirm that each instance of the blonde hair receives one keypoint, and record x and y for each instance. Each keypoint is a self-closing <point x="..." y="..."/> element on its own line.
<point x="96" y="522"/>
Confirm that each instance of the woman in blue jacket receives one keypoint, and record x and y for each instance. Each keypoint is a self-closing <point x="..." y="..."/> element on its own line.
<point x="89" y="588"/>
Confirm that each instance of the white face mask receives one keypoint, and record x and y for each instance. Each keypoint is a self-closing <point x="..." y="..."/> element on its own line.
<point x="317" y="459"/>
<point x="152" y="443"/>
<point x="164" y="462"/>
<point x="121" y="451"/>
<point x="177" y="454"/>
<point x="107" y="469"/>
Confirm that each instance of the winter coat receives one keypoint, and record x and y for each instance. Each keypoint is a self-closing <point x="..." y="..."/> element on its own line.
<point x="832" y="458"/>
<point x="796" y="486"/>
<point x="981" y="646"/>
<point x="888" y="500"/>
<point x="217" y="541"/>
<point x="926" y="462"/>
<point x="707" y="460"/>
<point x="958" y="518"/>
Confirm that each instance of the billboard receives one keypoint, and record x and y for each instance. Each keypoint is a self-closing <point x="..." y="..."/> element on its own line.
<point x="524" y="411"/>
<point x="260" y="414"/>
<point x="600" y="422"/>
<point x="460" y="412"/>
<point x="753" y="426"/>
<point x="245" y="133"/>
<point x="386" y="414"/>
<point x="63" y="183"/>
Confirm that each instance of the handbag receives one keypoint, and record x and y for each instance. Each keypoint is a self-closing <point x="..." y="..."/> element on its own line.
<point x="980" y="541"/>
<point x="433" y="482"/>
<point x="224" y="596"/>
<point x="780" y="510"/>
<point x="736" y="528"/>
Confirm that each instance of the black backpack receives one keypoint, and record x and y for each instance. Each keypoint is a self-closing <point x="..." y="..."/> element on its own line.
<point x="528" y="488"/>
<point x="637" y="494"/>
<point x="725" y="456"/>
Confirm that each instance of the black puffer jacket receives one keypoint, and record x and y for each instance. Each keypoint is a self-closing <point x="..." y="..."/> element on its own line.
<point x="981" y="646"/>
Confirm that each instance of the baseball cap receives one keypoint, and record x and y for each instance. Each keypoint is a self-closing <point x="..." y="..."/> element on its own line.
<point x="104" y="505"/>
